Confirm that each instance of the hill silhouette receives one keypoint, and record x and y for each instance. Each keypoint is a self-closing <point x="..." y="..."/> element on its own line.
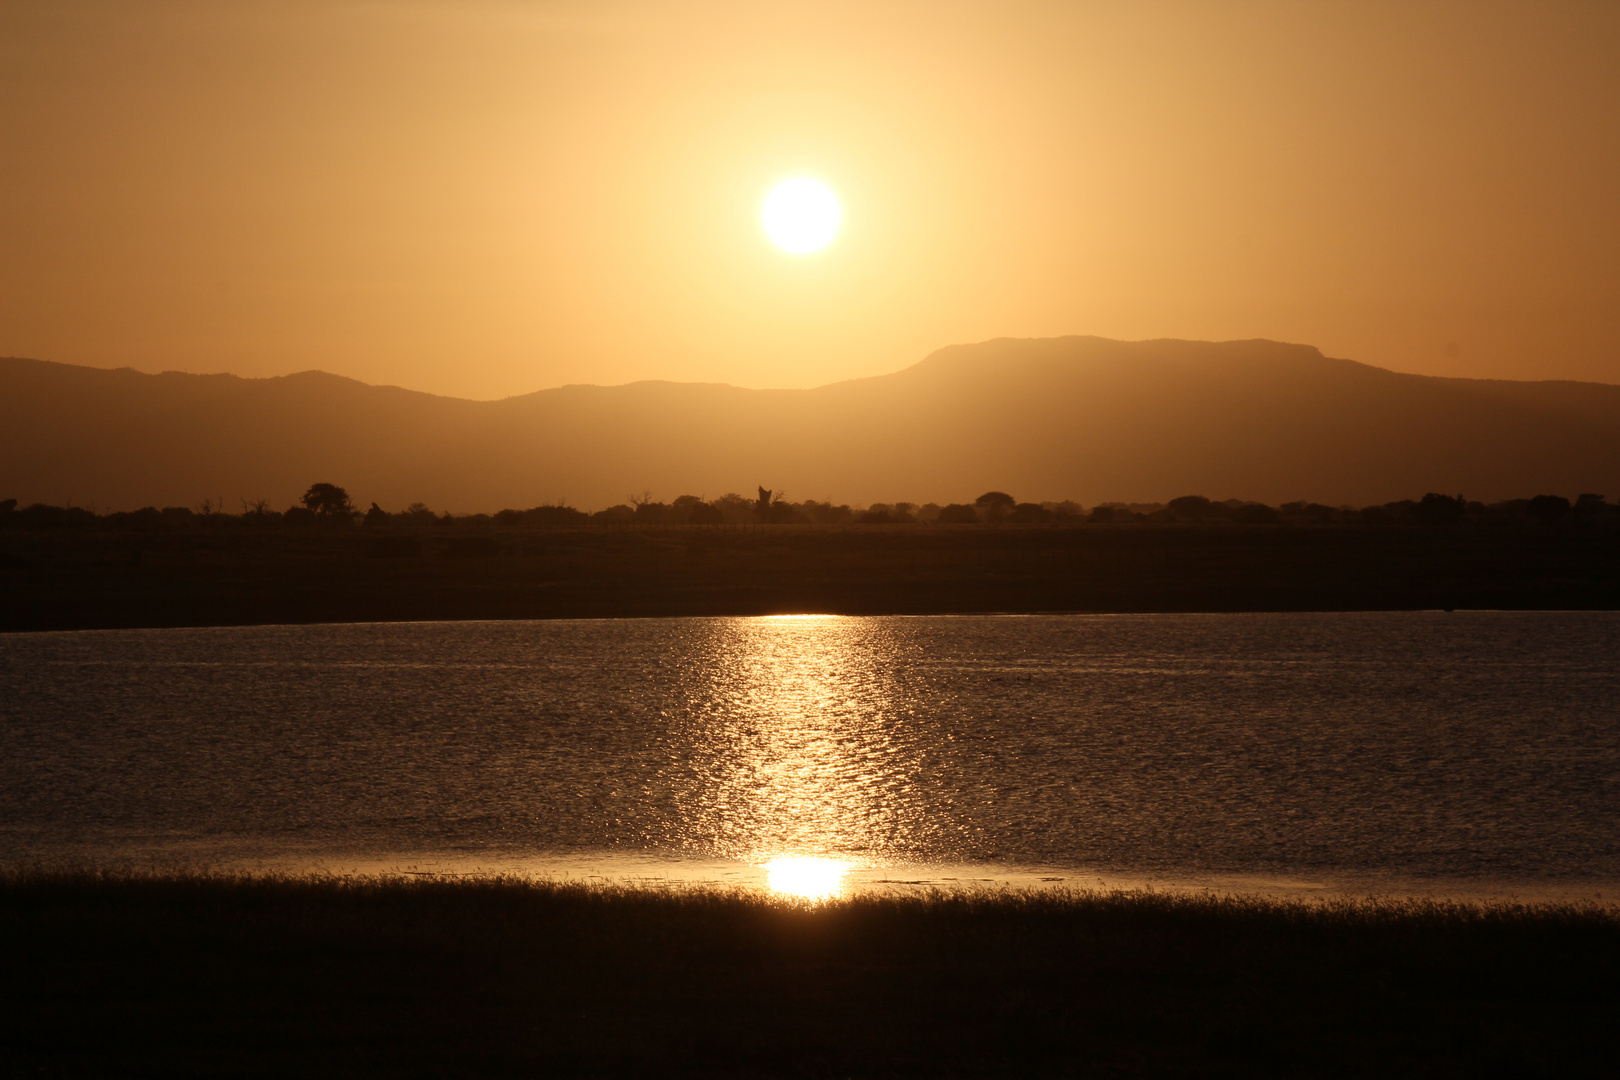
<point x="1082" y="418"/>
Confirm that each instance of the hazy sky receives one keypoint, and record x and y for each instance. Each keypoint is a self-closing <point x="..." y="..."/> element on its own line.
<point x="487" y="198"/>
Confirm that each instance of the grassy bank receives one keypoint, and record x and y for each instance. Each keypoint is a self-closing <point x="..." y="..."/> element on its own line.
<point x="218" y="975"/>
<point x="67" y="579"/>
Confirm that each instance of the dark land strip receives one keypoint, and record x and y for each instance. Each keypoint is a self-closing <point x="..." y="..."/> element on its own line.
<point x="72" y="579"/>
<point x="222" y="976"/>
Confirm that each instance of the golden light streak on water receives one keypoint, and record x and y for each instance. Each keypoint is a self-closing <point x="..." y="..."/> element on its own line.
<point x="797" y="717"/>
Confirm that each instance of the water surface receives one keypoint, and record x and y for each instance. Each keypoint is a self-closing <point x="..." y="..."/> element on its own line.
<point x="1466" y="751"/>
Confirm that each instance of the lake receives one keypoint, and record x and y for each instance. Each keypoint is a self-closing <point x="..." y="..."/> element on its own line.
<point x="1468" y="753"/>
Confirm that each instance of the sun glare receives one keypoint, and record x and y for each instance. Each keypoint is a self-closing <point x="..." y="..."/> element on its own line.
<point x="807" y="879"/>
<point x="801" y="215"/>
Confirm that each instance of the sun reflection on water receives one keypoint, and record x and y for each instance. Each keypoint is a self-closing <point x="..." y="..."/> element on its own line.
<point x="801" y="747"/>
<point x="807" y="878"/>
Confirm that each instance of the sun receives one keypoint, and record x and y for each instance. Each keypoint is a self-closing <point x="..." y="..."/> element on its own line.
<point x="801" y="215"/>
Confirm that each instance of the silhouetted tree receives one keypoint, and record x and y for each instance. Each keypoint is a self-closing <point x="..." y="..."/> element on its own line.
<point x="1193" y="508"/>
<point x="7" y="505"/>
<point x="825" y="513"/>
<point x="773" y="508"/>
<point x="958" y="514"/>
<point x="683" y="506"/>
<point x="256" y="511"/>
<point x="45" y="516"/>
<point x="376" y="516"/>
<point x="649" y="512"/>
<point x="539" y="517"/>
<point x="1101" y="515"/>
<point x="736" y="508"/>
<point x="1435" y="509"/>
<point x="995" y="505"/>
<point x="328" y="501"/>
<point x="1590" y="504"/>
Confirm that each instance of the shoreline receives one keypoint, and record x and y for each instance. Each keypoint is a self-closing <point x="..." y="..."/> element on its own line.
<point x="855" y="880"/>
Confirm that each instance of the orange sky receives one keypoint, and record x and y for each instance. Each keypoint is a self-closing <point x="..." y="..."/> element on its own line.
<point x="487" y="198"/>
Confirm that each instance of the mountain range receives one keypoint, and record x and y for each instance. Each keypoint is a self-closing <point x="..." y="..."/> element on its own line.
<point x="1080" y="418"/>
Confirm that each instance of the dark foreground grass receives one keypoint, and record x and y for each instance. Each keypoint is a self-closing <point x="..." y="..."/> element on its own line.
<point x="223" y="975"/>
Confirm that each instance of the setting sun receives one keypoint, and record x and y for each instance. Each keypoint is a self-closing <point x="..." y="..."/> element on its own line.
<point x="801" y="215"/>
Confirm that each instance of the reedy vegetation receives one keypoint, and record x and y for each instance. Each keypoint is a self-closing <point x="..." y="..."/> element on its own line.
<point x="235" y="974"/>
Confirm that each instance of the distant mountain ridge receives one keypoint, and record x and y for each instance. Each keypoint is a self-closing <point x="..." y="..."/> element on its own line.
<point x="1082" y="418"/>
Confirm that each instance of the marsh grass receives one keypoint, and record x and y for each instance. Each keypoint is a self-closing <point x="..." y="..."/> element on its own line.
<point x="224" y="974"/>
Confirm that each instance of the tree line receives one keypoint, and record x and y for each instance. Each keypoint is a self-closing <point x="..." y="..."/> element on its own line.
<point x="330" y="505"/>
